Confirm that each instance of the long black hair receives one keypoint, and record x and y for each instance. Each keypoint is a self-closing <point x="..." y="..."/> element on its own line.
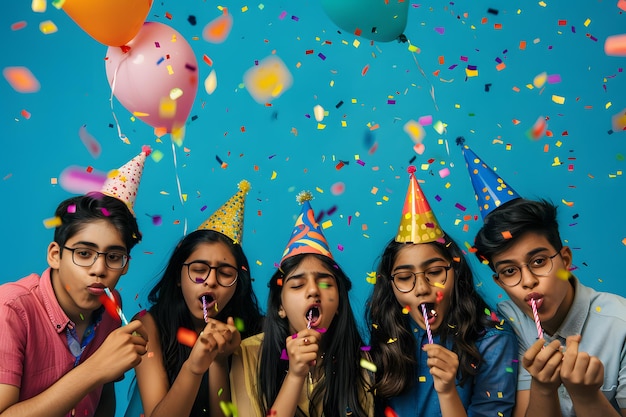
<point x="343" y="381"/>
<point x="464" y="322"/>
<point x="170" y="311"/>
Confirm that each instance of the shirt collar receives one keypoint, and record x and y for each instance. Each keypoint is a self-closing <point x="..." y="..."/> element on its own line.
<point x="578" y="312"/>
<point x="60" y="321"/>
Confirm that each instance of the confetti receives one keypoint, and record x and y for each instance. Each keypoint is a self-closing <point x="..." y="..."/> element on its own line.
<point x="217" y="30"/>
<point x="186" y="337"/>
<point x="268" y="80"/>
<point x="21" y="79"/>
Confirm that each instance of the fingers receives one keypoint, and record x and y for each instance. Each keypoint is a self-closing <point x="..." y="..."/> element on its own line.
<point x="302" y="349"/>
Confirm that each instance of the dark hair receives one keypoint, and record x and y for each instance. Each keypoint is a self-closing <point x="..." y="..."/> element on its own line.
<point x="343" y="377"/>
<point x="507" y="223"/>
<point x="170" y="311"/>
<point x="77" y="211"/>
<point x="464" y="322"/>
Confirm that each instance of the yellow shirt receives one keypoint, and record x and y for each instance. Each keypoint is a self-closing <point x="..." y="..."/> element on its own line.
<point x="244" y="383"/>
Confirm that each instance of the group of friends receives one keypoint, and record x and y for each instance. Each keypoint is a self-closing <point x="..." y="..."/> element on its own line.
<point x="433" y="346"/>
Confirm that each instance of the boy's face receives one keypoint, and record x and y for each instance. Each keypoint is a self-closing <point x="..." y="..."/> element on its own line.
<point x="553" y="293"/>
<point x="78" y="288"/>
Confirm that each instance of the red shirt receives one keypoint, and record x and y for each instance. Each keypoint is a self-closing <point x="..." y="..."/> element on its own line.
<point x="34" y="350"/>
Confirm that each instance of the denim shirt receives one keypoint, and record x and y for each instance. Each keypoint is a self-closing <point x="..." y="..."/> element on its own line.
<point x="491" y="392"/>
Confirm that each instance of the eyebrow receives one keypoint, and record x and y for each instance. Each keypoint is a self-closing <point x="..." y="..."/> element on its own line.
<point x="207" y="263"/>
<point x="96" y="247"/>
<point x="530" y="254"/>
<point x="317" y="275"/>
<point x="424" y="264"/>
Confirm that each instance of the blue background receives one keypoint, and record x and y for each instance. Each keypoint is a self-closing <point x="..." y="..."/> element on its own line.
<point x="587" y="184"/>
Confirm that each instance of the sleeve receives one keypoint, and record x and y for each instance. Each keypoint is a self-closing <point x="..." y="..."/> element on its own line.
<point x="495" y="385"/>
<point x="243" y="378"/>
<point x="12" y="345"/>
<point x="620" y="395"/>
<point x="510" y="314"/>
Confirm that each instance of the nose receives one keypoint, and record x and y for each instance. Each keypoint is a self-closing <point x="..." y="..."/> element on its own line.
<point x="312" y="288"/>
<point x="422" y="287"/>
<point x="211" y="280"/>
<point x="529" y="280"/>
<point x="99" y="267"/>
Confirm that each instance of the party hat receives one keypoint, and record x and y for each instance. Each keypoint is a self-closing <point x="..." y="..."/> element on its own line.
<point x="122" y="183"/>
<point x="491" y="191"/>
<point x="307" y="236"/>
<point x="228" y="219"/>
<point x="418" y="223"/>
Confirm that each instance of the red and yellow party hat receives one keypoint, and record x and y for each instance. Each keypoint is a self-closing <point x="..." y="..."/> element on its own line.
<point x="418" y="223"/>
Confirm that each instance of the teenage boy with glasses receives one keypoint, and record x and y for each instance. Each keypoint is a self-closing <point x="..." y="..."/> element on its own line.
<point x="61" y="352"/>
<point x="578" y="367"/>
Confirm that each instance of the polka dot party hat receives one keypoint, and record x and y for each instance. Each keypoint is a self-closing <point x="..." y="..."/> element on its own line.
<point x="418" y="223"/>
<point x="228" y="219"/>
<point x="490" y="190"/>
<point x="123" y="183"/>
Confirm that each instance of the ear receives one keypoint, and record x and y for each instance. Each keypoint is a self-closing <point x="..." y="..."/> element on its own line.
<point x="281" y="312"/>
<point x="497" y="281"/>
<point x="54" y="255"/>
<point x="566" y="255"/>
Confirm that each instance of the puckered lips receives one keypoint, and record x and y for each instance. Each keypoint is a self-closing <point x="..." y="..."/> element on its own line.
<point x="313" y="316"/>
<point x="534" y="296"/>
<point x="96" y="289"/>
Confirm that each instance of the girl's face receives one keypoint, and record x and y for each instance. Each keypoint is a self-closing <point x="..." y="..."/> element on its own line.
<point x="213" y="261"/>
<point x="309" y="296"/>
<point x="415" y="263"/>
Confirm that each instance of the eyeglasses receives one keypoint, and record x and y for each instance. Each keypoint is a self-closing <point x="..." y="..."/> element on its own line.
<point x="199" y="271"/>
<point x="87" y="257"/>
<point x="539" y="266"/>
<point x="404" y="281"/>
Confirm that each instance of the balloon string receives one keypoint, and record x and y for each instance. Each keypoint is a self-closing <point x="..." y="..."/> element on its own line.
<point x="121" y="135"/>
<point x="180" y="193"/>
<point x="432" y="88"/>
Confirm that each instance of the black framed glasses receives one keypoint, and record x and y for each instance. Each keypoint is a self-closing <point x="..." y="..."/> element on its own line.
<point x="540" y="266"/>
<point x="436" y="276"/>
<point x="87" y="257"/>
<point x="199" y="271"/>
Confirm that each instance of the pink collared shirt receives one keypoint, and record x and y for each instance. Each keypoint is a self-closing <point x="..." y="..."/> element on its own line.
<point x="33" y="340"/>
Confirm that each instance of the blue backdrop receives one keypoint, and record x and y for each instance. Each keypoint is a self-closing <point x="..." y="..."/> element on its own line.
<point x="369" y="90"/>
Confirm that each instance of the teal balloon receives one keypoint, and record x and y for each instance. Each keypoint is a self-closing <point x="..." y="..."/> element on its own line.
<point x="378" y="20"/>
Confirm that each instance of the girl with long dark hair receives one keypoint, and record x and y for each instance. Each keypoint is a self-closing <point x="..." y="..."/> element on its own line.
<point x="205" y="287"/>
<point x="438" y="349"/>
<point x="308" y="361"/>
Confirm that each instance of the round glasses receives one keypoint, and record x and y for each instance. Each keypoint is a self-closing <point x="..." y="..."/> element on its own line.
<point x="87" y="257"/>
<point x="436" y="276"/>
<point x="539" y="266"/>
<point x="199" y="271"/>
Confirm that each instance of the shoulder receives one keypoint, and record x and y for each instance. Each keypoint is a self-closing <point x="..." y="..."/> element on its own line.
<point x="252" y="341"/>
<point x="12" y="291"/>
<point x="149" y="325"/>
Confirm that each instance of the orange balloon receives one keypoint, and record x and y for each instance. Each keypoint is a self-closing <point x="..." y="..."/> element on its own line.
<point x="111" y="22"/>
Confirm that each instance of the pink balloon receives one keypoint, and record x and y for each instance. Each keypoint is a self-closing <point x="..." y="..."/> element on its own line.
<point x="157" y="78"/>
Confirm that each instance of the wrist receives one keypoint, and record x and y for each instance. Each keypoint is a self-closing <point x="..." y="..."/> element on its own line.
<point x="192" y="370"/>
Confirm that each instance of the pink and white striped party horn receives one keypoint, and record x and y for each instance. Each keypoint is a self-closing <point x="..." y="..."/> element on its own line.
<point x="428" y="332"/>
<point x="533" y="304"/>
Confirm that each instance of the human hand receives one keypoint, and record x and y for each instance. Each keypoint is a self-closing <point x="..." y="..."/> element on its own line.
<point x="544" y="364"/>
<point x="302" y="350"/>
<point x="581" y="373"/>
<point x="233" y="343"/>
<point x="120" y="351"/>
<point x="214" y="340"/>
<point x="443" y="365"/>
